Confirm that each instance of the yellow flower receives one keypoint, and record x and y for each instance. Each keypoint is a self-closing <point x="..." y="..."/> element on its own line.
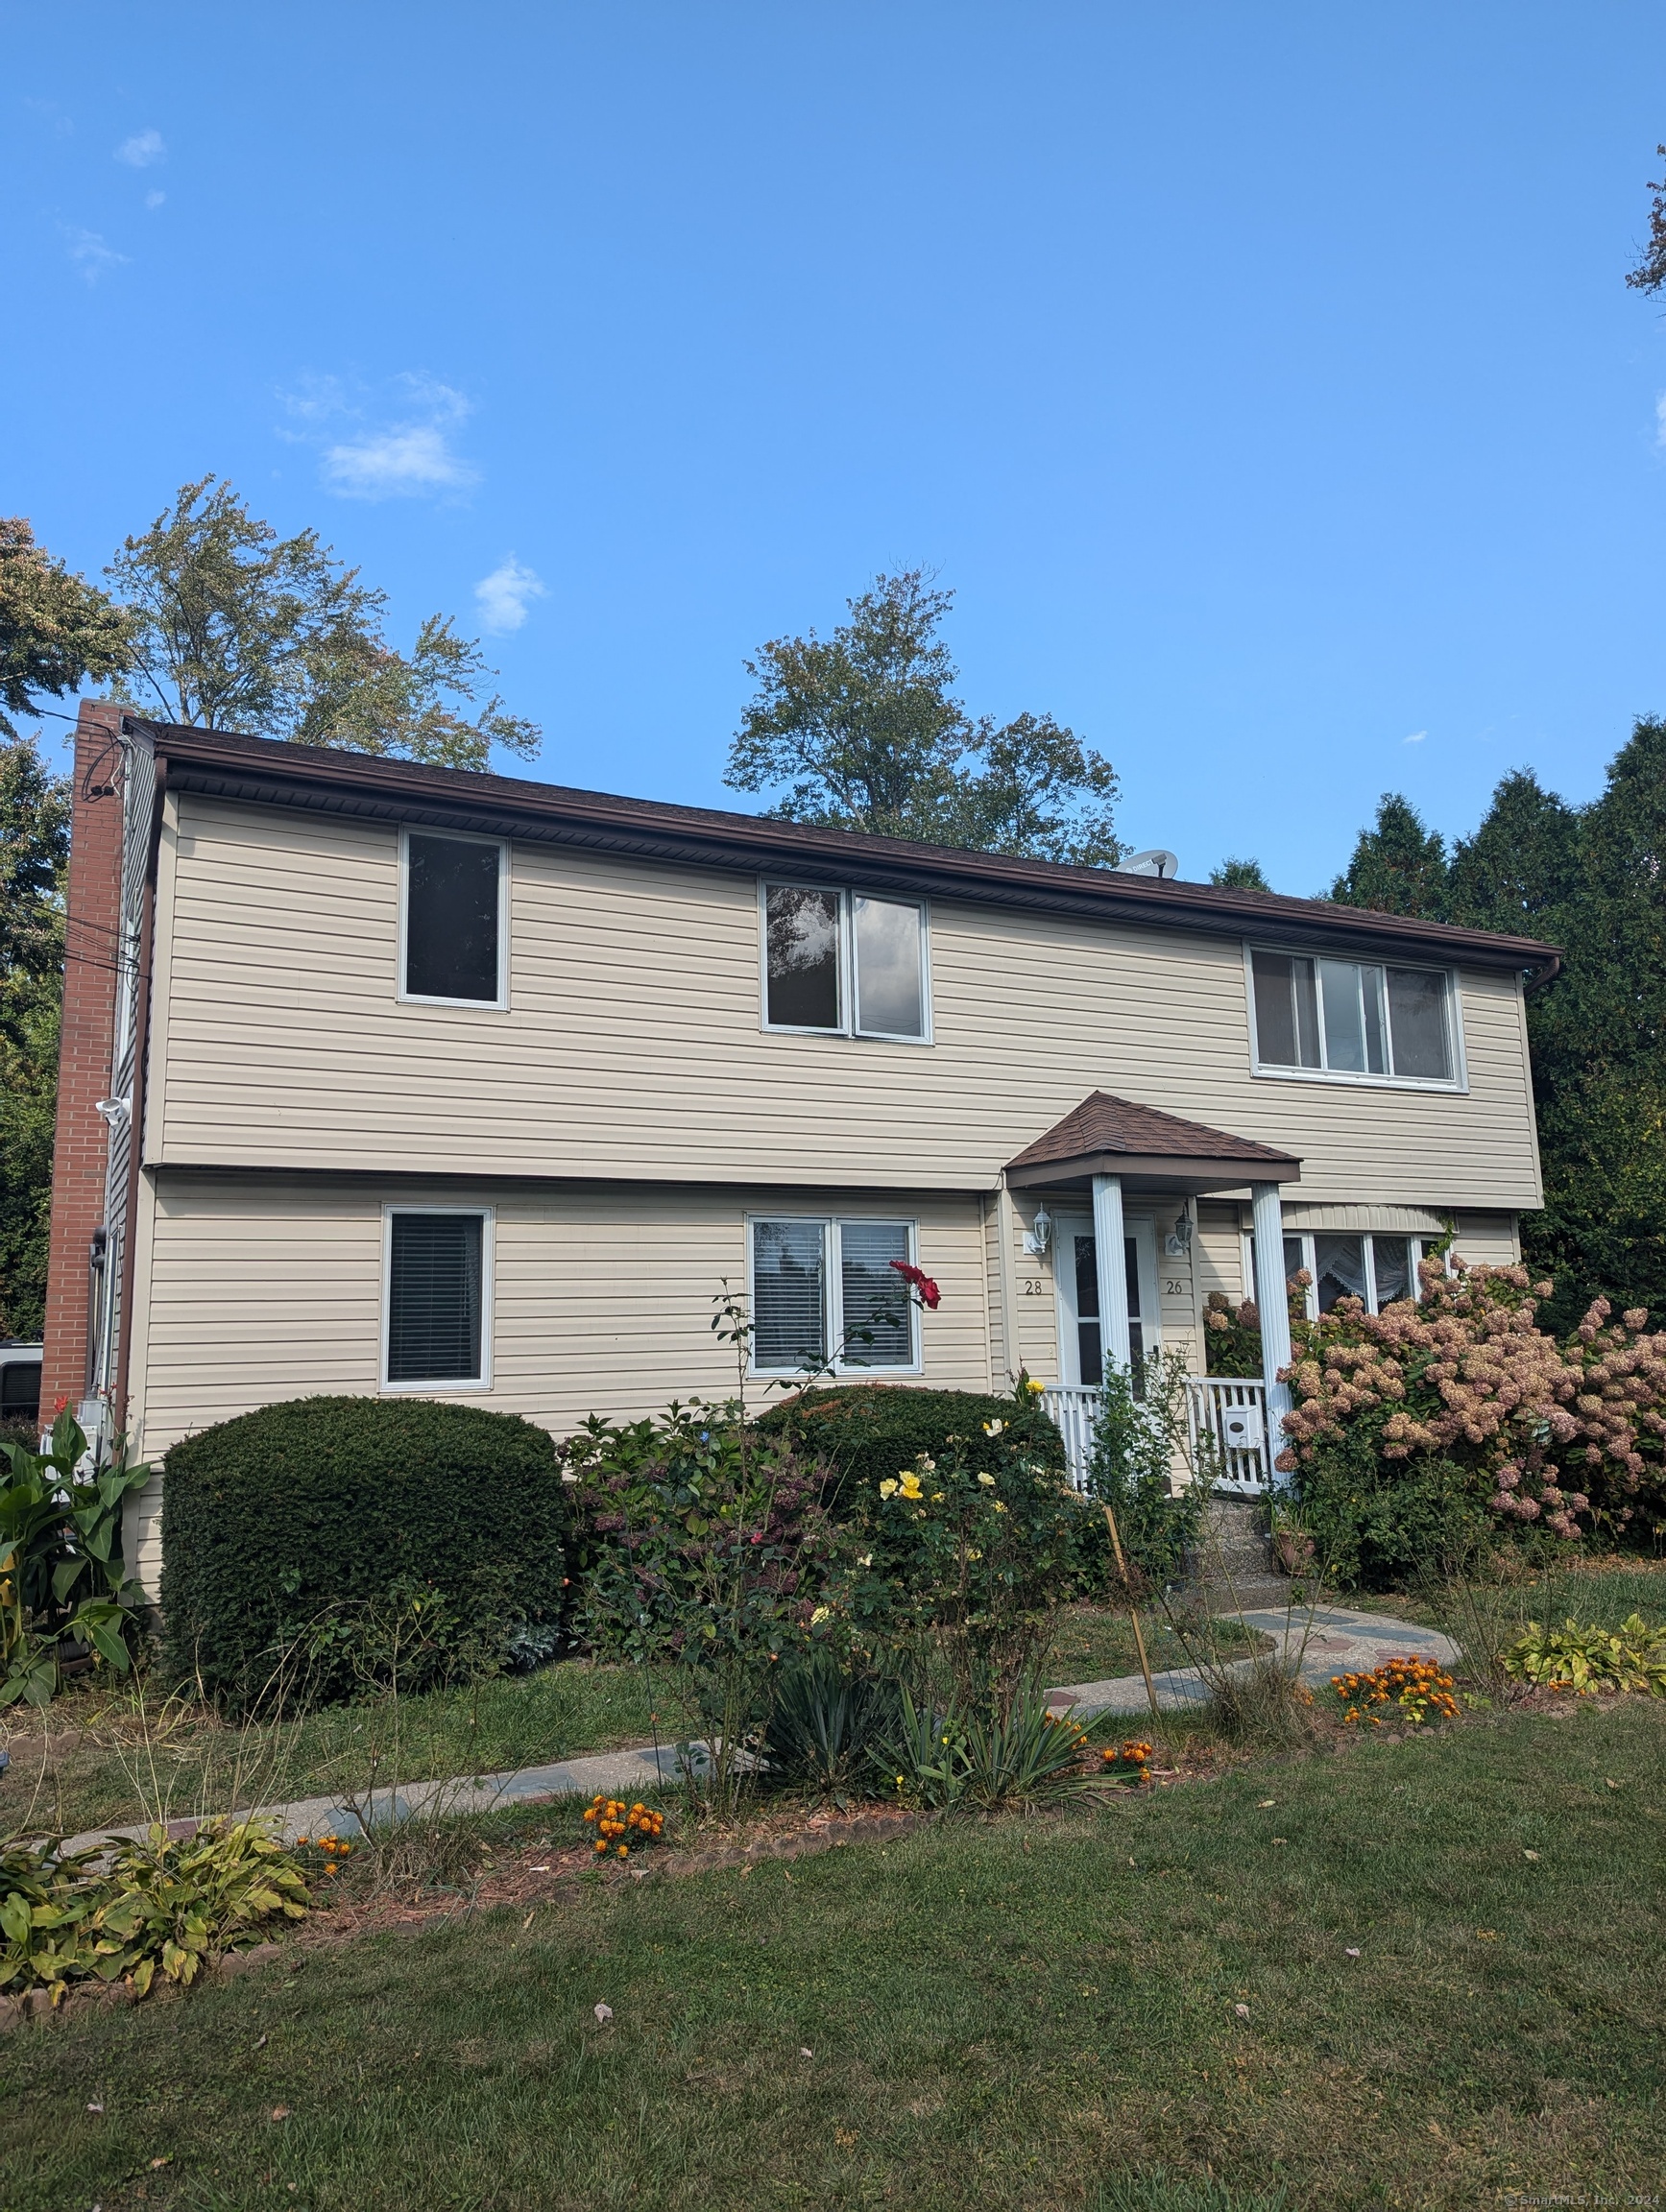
<point x="910" y="1487"/>
<point x="993" y="1428"/>
<point x="987" y="1481"/>
<point x="822" y="1613"/>
<point x="998" y="1507"/>
<point x="888" y="1489"/>
<point x="1030" y="1383"/>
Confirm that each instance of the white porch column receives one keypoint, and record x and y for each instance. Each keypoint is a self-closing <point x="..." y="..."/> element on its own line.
<point x="1112" y="1270"/>
<point x="1272" y="1303"/>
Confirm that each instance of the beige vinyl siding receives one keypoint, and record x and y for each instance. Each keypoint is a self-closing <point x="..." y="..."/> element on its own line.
<point x="632" y="1044"/>
<point x="266" y="1288"/>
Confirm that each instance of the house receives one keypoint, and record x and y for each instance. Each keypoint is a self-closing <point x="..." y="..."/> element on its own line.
<point x="379" y="1077"/>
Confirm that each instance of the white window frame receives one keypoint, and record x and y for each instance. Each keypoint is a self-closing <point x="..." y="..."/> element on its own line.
<point x="1274" y="1070"/>
<point x="1419" y="1242"/>
<point x="454" y="1385"/>
<point x="831" y="1226"/>
<point x="847" y="959"/>
<point x="497" y="1005"/>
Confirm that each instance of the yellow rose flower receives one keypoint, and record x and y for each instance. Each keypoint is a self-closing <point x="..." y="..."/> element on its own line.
<point x="987" y="1481"/>
<point x="888" y="1489"/>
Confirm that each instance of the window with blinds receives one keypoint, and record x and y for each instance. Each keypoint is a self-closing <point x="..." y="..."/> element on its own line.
<point x="825" y="1293"/>
<point x="436" y="1297"/>
<point x="453" y="925"/>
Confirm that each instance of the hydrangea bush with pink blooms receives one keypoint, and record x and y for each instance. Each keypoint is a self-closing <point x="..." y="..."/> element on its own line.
<point x="1460" y="1409"/>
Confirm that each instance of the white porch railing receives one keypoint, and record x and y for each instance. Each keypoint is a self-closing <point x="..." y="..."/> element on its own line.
<point x="1229" y="1411"/>
<point x="1075" y="1411"/>
<point x="1223" y="1410"/>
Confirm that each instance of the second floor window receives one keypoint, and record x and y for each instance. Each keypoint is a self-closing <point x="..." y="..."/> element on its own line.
<point x="844" y="963"/>
<point x="453" y="919"/>
<point x="1352" y="1018"/>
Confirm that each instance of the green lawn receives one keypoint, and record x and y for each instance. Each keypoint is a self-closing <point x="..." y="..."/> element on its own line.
<point x="1599" y="1590"/>
<point x="108" y="1761"/>
<point x="1092" y="1644"/>
<point x="1021" y="2014"/>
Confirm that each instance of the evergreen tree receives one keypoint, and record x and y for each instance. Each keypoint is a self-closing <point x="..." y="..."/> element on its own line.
<point x="1240" y="876"/>
<point x="1398" y="867"/>
<point x="1522" y="864"/>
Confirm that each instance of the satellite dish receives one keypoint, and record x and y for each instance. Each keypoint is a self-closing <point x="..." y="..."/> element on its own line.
<point x="1157" y="861"/>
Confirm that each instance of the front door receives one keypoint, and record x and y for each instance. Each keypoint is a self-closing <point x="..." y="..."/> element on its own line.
<point x="1077" y="1273"/>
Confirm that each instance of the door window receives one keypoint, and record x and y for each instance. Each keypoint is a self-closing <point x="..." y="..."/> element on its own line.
<point x="1089" y="1337"/>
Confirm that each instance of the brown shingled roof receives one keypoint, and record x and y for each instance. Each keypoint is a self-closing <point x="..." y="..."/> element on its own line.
<point x="267" y="771"/>
<point x="1113" y="1136"/>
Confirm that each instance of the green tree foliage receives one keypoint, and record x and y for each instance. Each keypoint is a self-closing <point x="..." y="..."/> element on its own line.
<point x="1240" y="876"/>
<point x="1650" y="273"/>
<point x="55" y="630"/>
<point x="866" y="733"/>
<point x="34" y="854"/>
<point x="237" y="627"/>
<point x="1399" y="866"/>
<point x="1591" y="879"/>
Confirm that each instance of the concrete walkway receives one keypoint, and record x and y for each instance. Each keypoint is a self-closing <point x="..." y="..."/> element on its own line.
<point x="1330" y="1640"/>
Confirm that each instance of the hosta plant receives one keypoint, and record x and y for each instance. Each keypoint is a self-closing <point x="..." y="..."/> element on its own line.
<point x="165" y="1904"/>
<point x="1591" y="1660"/>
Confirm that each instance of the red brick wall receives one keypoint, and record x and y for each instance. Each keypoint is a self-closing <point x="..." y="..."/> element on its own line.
<point x="84" y="1067"/>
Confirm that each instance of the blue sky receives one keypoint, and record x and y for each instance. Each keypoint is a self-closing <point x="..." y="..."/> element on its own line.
<point x="1261" y="377"/>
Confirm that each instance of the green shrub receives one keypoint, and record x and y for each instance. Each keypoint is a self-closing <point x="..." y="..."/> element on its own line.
<point x="304" y="1513"/>
<point x="1379" y="1523"/>
<point x="868" y="1432"/>
<point x="1138" y="1446"/>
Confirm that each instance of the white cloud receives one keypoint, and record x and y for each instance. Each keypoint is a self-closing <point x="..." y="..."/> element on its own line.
<point x="443" y="401"/>
<point x="89" y="253"/>
<point x="414" y="457"/>
<point x="143" y="148"/>
<point x="503" y="596"/>
<point x="316" y="400"/>
<point x="1416" y="737"/>
<point x="154" y="200"/>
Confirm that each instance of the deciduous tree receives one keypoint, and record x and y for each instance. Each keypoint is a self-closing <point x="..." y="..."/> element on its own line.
<point x="237" y="627"/>
<point x="866" y="733"/>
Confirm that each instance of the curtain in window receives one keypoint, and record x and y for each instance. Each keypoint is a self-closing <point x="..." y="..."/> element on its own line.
<point x="1391" y="1261"/>
<point x="878" y="1322"/>
<point x="789" y="1294"/>
<point x="1339" y="1270"/>
<point x="434" y="1298"/>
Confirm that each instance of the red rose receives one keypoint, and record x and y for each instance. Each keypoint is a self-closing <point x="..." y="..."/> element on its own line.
<point x="920" y="1283"/>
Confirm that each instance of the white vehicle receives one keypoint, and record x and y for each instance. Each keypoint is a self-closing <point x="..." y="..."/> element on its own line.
<point x="19" y="1382"/>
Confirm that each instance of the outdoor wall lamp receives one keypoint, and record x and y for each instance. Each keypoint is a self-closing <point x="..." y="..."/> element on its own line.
<point x="1041" y="1228"/>
<point x="1178" y="1242"/>
<point x="115" y="1110"/>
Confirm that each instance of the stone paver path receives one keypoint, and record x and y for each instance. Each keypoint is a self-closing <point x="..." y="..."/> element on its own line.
<point x="1331" y="1641"/>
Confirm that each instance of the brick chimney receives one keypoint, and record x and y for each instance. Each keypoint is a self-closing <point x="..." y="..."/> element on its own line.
<point x="81" y="1156"/>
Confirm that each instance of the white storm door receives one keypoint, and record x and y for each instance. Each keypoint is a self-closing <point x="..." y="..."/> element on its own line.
<point x="1076" y="1284"/>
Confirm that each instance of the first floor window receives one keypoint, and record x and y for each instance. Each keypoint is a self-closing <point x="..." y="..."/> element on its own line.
<point x="453" y="897"/>
<point x="1351" y="1017"/>
<point x="436" y="1297"/>
<point x="1377" y="1268"/>
<point x="825" y="1293"/>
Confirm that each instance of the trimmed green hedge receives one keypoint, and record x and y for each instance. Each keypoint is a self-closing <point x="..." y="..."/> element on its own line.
<point x="274" y="1518"/>
<point x="868" y="1430"/>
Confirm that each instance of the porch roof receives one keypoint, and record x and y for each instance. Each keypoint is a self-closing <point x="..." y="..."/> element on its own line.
<point x="1148" y="1149"/>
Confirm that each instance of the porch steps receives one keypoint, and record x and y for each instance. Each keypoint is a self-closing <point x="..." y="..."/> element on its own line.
<point x="1232" y="1565"/>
